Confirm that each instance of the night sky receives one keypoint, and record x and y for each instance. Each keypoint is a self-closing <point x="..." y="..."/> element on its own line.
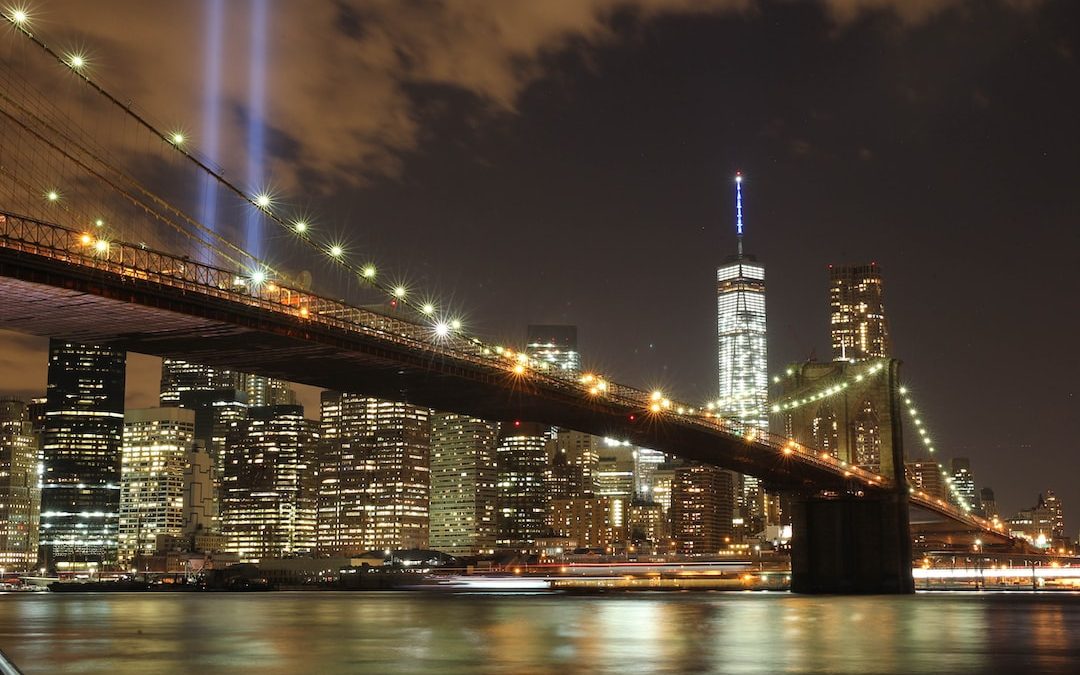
<point x="572" y="161"/>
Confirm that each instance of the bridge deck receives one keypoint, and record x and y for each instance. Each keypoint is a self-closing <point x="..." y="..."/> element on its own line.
<point x="56" y="282"/>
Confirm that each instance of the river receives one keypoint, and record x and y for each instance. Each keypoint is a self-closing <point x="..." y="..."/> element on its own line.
<point x="379" y="633"/>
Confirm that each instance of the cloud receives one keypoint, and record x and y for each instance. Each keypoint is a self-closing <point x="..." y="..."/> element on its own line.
<point x="340" y="71"/>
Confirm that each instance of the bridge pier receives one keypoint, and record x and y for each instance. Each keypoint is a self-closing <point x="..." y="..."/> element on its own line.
<point x="851" y="545"/>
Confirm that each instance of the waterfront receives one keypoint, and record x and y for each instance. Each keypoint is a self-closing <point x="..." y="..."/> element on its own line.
<point x="633" y="633"/>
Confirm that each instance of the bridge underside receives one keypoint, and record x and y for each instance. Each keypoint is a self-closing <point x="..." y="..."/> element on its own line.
<point x="52" y="298"/>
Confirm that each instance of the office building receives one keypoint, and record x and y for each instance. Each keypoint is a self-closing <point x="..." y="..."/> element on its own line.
<point x="81" y="443"/>
<point x="521" y="457"/>
<point x="555" y="346"/>
<point x="269" y="488"/>
<point x="179" y="377"/>
<point x="157" y="445"/>
<point x="857" y="313"/>
<point x="589" y="522"/>
<point x="963" y="484"/>
<point x="743" y="356"/>
<point x="463" y="484"/>
<point x="266" y="391"/>
<point x="375" y="475"/>
<point x="927" y="476"/>
<point x="20" y="494"/>
<point x="988" y="503"/>
<point x="702" y="509"/>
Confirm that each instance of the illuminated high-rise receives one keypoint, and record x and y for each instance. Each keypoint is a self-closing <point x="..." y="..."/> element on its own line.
<point x="20" y="494"/>
<point x="555" y="345"/>
<point x="81" y="442"/>
<point x="740" y="307"/>
<point x="374" y="475"/>
<point x="522" y="457"/>
<point x="270" y="483"/>
<point x="743" y="355"/>
<point x="857" y="313"/>
<point x="179" y="377"/>
<point x="463" y="490"/>
<point x="157" y="443"/>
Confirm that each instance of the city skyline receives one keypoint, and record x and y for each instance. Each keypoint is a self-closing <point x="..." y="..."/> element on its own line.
<point x="785" y="157"/>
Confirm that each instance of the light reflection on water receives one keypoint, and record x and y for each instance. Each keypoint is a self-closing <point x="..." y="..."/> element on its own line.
<point x="325" y="633"/>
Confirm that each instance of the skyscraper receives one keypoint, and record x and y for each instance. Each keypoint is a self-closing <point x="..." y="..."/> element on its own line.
<point x="554" y="345"/>
<point x="20" y="495"/>
<point x="702" y="509"/>
<point x="743" y="355"/>
<point x="269" y="487"/>
<point x="157" y="442"/>
<point x="178" y="377"/>
<point x="463" y="490"/>
<point x="81" y="441"/>
<point x="375" y="483"/>
<point x="743" y="359"/>
<point x="857" y="322"/>
<point x="522" y="456"/>
<point x="964" y="483"/>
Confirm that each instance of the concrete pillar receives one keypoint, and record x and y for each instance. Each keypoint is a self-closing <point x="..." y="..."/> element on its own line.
<point x="850" y="545"/>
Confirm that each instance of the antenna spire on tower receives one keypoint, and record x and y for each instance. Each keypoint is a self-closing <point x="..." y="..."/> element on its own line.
<point x="738" y="211"/>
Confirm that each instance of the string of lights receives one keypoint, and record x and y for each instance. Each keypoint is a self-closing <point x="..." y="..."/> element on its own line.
<point x="76" y="62"/>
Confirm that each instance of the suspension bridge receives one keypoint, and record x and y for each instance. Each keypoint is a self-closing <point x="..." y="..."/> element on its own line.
<point x="97" y="247"/>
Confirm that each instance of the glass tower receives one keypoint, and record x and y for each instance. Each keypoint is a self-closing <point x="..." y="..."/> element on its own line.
<point x="81" y="442"/>
<point x="743" y="357"/>
<point x="740" y="307"/>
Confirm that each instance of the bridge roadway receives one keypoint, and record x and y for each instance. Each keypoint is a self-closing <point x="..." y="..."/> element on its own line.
<point x="58" y="282"/>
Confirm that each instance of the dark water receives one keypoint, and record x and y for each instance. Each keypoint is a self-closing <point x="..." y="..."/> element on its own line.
<point x="323" y="633"/>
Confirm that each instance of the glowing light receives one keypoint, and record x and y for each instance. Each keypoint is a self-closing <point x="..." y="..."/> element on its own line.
<point x="304" y="312"/>
<point x="657" y="395"/>
<point x="99" y="222"/>
<point x="441" y="329"/>
<point x="336" y="251"/>
<point x="177" y="138"/>
<point x="76" y="60"/>
<point x="300" y="226"/>
<point x="262" y="201"/>
<point x="19" y="16"/>
<point x="399" y="291"/>
<point x="368" y="272"/>
<point x="519" y="369"/>
<point x="258" y="276"/>
<point x="428" y="308"/>
<point x="788" y="450"/>
<point x="455" y="324"/>
<point x="86" y="239"/>
<point x="52" y="195"/>
<point x="655" y="407"/>
<point x="101" y="246"/>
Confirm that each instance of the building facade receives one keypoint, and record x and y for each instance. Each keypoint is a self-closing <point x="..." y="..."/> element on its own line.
<point x="270" y="484"/>
<point x="157" y="445"/>
<point x="554" y="345"/>
<point x="742" y="350"/>
<point x="81" y="444"/>
<point x="375" y="475"/>
<point x="20" y="492"/>
<point x="179" y="377"/>
<point x="702" y="509"/>
<point x="463" y="484"/>
<point x="857" y="321"/>
<point x="521" y="457"/>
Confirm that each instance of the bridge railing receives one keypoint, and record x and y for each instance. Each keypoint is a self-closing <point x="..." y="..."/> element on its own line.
<point x="88" y="250"/>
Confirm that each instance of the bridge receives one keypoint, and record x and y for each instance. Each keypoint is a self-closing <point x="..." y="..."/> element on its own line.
<point x="68" y="273"/>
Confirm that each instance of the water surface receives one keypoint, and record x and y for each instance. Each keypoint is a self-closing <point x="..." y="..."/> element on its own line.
<point x="377" y="633"/>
